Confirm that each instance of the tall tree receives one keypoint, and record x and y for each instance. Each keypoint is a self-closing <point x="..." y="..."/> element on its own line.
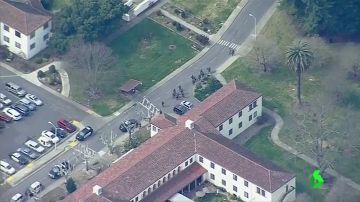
<point x="266" y="53"/>
<point x="299" y="58"/>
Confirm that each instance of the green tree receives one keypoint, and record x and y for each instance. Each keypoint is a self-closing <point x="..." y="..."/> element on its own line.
<point x="70" y="185"/>
<point x="299" y="58"/>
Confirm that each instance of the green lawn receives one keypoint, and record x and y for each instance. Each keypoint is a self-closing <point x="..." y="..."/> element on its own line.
<point x="143" y="54"/>
<point x="263" y="146"/>
<point x="217" y="11"/>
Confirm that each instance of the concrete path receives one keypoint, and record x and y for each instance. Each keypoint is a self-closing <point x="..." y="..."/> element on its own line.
<point x="275" y="138"/>
<point x="184" y="23"/>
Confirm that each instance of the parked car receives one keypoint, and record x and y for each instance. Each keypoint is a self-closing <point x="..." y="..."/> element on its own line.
<point x="66" y="125"/>
<point x="180" y="109"/>
<point x="54" y="139"/>
<point x="55" y="172"/>
<point x="7" y="168"/>
<point x="4" y="99"/>
<point x="1" y="106"/>
<point x="27" y="152"/>
<point x="12" y="113"/>
<point x="17" y="157"/>
<point x="84" y="133"/>
<point x="35" y="188"/>
<point x="34" y="99"/>
<point x="45" y="141"/>
<point x="17" y="198"/>
<point x="10" y="57"/>
<point x="4" y="117"/>
<point x="28" y="104"/>
<point x="34" y="146"/>
<point x="187" y="104"/>
<point x="22" y="109"/>
<point x="15" y="89"/>
<point x="61" y="133"/>
<point x="130" y="124"/>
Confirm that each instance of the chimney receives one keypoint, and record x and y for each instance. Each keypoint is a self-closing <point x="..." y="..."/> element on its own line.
<point x="189" y="124"/>
<point x="97" y="190"/>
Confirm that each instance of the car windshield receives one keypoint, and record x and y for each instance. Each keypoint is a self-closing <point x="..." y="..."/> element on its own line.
<point x="8" y="166"/>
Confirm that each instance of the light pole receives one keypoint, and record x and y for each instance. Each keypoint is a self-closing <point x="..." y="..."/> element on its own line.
<point x="55" y="130"/>
<point x="251" y="15"/>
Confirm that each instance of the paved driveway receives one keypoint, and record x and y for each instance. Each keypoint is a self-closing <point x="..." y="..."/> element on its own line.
<point x="17" y="132"/>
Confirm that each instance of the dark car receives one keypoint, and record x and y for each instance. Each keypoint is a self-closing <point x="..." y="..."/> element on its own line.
<point x="17" y="157"/>
<point x="130" y="124"/>
<point x="66" y="125"/>
<point x="61" y="133"/>
<point x="6" y="118"/>
<point x="22" y="109"/>
<point x="84" y="133"/>
<point x="55" y="172"/>
<point x="180" y="109"/>
<point x="27" y="152"/>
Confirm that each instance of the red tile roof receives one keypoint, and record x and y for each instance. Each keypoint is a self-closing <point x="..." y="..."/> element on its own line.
<point x="177" y="183"/>
<point x="163" y="121"/>
<point x="24" y="17"/>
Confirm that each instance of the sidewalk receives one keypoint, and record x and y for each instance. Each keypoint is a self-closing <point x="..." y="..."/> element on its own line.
<point x="184" y="23"/>
<point x="275" y="138"/>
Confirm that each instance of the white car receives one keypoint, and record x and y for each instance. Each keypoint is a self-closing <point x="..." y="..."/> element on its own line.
<point x="187" y="104"/>
<point x="45" y="141"/>
<point x="35" y="187"/>
<point x="12" y="113"/>
<point x="33" y="99"/>
<point x="54" y="139"/>
<point x="7" y="168"/>
<point x="17" y="198"/>
<point x="34" y="146"/>
<point x="5" y="100"/>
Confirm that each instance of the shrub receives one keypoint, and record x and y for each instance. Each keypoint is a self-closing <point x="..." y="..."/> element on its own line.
<point x="179" y="27"/>
<point x="52" y="69"/>
<point x="70" y="185"/>
<point x="202" y="39"/>
<point x="183" y="14"/>
<point x="177" y="11"/>
<point x="206" y="21"/>
<point x="52" y="80"/>
<point x="174" y="23"/>
<point x="46" y="56"/>
<point x="41" y="74"/>
<point x="39" y="60"/>
<point x="159" y="13"/>
<point x="262" y="119"/>
<point x="211" y="86"/>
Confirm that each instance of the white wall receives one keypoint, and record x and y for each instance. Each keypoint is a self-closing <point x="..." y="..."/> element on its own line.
<point x="280" y="192"/>
<point x="39" y="41"/>
<point x="244" y="118"/>
<point x="154" y="130"/>
<point x="143" y="6"/>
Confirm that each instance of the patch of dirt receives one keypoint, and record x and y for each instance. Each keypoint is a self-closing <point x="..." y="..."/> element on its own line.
<point x="54" y="195"/>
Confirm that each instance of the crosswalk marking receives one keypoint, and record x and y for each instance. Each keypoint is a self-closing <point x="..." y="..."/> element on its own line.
<point x="228" y="44"/>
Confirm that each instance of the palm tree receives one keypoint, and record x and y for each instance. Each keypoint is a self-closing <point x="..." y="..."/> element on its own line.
<point x="299" y="57"/>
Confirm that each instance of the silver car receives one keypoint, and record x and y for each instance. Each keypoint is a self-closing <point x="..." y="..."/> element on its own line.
<point x="27" y="152"/>
<point x="28" y="104"/>
<point x="4" y="99"/>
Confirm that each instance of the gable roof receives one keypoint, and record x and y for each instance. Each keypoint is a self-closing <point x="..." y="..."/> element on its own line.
<point x="25" y="17"/>
<point x="163" y="121"/>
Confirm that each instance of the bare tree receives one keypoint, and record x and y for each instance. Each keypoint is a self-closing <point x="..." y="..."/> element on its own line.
<point x="94" y="58"/>
<point x="266" y="53"/>
<point x="85" y="154"/>
<point x="109" y="141"/>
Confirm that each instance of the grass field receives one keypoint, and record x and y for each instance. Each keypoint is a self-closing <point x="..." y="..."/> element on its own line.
<point x="143" y="54"/>
<point x="59" y="4"/>
<point x="216" y="11"/>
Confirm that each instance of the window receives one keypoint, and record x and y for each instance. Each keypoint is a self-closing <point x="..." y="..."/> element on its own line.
<point x="234" y="188"/>
<point x="154" y="186"/>
<point x="212" y="165"/>
<point x="6" y="39"/>
<point x="263" y="192"/>
<point x="32" y="46"/>
<point x="154" y="128"/>
<point x="169" y="175"/>
<point x="223" y="182"/>
<point x="250" y="117"/>
<point x="240" y="113"/>
<point x="240" y="124"/>
<point x="191" y="160"/>
<point x="246" y="195"/>
<point x="6" y="28"/>
<point x="201" y="159"/>
<point x="186" y="163"/>
<point x="230" y="120"/>
<point x="223" y="171"/>
<point x="159" y="183"/>
<point x="174" y="172"/>
<point x="252" y="105"/>
<point x="46" y="25"/>
<point x="18" y="34"/>
<point x="234" y="177"/>
<point x="179" y="169"/>
<point x="246" y="183"/>
<point x="17" y="45"/>
<point x="212" y="176"/>
<point x="230" y="131"/>
<point x="137" y="199"/>
<point x="32" y="35"/>
<point x="255" y="114"/>
<point x="220" y="127"/>
<point x="149" y="190"/>
<point x="258" y="190"/>
<point x="164" y="179"/>
<point x="144" y="193"/>
<point x="46" y="36"/>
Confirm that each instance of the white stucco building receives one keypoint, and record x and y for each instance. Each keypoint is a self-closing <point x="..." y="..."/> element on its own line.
<point x="25" y="27"/>
<point x="187" y="151"/>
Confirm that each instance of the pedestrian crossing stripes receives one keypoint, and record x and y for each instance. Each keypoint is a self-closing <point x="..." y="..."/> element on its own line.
<point x="228" y="44"/>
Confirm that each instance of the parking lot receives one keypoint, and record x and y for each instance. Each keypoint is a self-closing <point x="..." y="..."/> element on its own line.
<point x="16" y="133"/>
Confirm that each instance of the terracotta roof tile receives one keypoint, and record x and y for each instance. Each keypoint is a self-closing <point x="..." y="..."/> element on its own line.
<point x="163" y="121"/>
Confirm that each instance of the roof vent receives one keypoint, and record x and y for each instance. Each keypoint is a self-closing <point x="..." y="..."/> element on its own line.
<point x="189" y="124"/>
<point x="97" y="190"/>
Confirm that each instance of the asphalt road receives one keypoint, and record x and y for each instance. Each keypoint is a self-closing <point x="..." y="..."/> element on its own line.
<point x="240" y="29"/>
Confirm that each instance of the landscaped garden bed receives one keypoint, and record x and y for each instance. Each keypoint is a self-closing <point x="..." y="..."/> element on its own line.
<point x="50" y="78"/>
